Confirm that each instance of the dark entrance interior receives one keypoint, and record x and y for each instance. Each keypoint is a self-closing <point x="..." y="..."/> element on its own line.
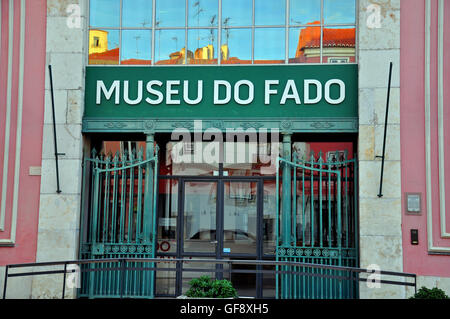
<point x="218" y="210"/>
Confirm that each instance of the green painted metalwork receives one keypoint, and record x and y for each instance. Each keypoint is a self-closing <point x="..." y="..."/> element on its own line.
<point x="322" y="206"/>
<point x="118" y="221"/>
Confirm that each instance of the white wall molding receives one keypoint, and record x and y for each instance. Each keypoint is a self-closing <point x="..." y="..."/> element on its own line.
<point x="429" y="204"/>
<point x="441" y="143"/>
<point x="12" y="238"/>
<point x="8" y="114"/>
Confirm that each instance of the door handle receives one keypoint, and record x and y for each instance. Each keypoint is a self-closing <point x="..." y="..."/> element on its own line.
<point x="214" y="242"/>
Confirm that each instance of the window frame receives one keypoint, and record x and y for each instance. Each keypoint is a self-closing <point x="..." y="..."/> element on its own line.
<point x="219" y="28"/>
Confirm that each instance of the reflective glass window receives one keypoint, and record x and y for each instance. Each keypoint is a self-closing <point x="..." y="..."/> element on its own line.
<point x="237" y="13"/>
<point x="339" y="45"/>
<point x="179" y="32"/>
<point x="304" y="45"/>
<point x="269" y="12"/>
<point x="137" y="13"/>
<point x="302" y="12"/>
<point x="169" y="47"/>
<point x="203" y="13"/>
<point x="236" y="46"/>
<point x="136" y="47"/>
<point x="170" y="13"/>
<point x="104" y="13"/>
<point x="202" y="46"/>
<point x="269" y="46"/>
<point x="103" y="46"/>
<point x="339" y="11"/>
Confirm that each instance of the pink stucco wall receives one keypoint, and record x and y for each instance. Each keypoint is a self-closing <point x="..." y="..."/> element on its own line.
<point x="24" y="249"/>
<point x="416" y="258"/>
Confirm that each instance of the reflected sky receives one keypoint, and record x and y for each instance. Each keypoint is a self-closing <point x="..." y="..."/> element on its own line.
<point x="339" y="11"/>
<point x="236" y="12"/>
<point x="137" y="14"/>
<point x="169" y="13"/>
<point x="104" y="13"/>
<point x="304" y="11"/>
<point x="136" y="44"/>
<point x="203" y="13"/>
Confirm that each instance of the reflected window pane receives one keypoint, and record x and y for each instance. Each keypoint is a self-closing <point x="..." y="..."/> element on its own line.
<point x="203" y="13"/>
<point x="339" y="11"/>
<point x="270" y="215"/>
<point x="169" y="47"/>
<point x="170" y="13"/>
<point x="237" y="12"/>
<point x="304" y="45"/>
<point x="203" y="43"/>
<point x="339" y="45"/>
<point x="236" y="46"/>
<point x="240" y="218"/>
<point x="199" y="227"/>
<point x="269" y="12"/>
<point x="269" y="46"/>
<point x="103" y="46"/>
<point x="136" y="47"/>
<point x="137" y="13"/>
<point x="104" y="13"/>
<point x="304" y="11"/>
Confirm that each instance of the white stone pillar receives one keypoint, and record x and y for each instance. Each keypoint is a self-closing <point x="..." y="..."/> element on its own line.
<point x="59" y="213"/>
<point x="380" y="218"/>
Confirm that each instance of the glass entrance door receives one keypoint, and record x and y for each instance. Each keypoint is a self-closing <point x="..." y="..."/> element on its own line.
<point x="220" y="221"/>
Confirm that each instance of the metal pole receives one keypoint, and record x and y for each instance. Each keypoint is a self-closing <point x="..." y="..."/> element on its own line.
<point x="380" y="194"/>
<point x="5" y="282"/>
<point x="64" y="280"/>
<point x="58" y="190"/>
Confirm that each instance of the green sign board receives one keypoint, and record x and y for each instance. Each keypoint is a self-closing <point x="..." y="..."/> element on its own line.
<point x="218" y="92"/>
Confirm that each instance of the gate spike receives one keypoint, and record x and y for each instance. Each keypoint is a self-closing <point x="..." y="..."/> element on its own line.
<point x="94" y="152"/>
<point x="116" y="156"/>
<point x="345" y="155"/>
<point x="311" y="155"/>
<point x="140" y="153"/>
<point x="320" y="157"/>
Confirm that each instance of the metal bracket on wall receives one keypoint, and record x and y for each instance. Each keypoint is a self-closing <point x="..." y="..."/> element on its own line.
<point x="58" y="190"/>
<point x="380" y="194"/>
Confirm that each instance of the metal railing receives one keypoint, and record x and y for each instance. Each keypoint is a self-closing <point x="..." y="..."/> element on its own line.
<point x="281" y="267"/>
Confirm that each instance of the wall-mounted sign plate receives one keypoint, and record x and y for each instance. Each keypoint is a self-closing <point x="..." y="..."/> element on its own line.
<point x="413" y="203"/>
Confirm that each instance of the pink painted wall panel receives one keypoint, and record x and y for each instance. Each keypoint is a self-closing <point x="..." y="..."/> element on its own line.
<point x="447" y="105"/>
<point x="416" y="258"/>
<point x="32" y="125"/>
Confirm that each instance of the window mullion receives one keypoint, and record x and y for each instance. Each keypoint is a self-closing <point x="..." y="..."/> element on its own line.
<point x="153" y="30"/>
<point x="120" y="31"/>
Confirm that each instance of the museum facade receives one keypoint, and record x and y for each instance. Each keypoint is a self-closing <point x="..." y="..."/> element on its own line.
<point x="224" y="136"/>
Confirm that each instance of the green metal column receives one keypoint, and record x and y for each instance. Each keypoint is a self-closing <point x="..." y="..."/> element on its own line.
<point x="148" y="196"/>
<point x="286" y="212"/>
<point x="286" y="192"/>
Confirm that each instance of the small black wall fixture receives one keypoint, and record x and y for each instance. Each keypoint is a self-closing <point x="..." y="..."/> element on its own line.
<point x="380" y="194"/>
<point x="58" y="190"/>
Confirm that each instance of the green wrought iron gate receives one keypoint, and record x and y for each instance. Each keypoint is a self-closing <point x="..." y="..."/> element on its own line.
<point x="118" y="221"/>
<point x="317" y="224"/>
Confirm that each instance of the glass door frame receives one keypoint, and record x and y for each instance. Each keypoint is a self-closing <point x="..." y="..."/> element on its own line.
<point x="219" y="254"/>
